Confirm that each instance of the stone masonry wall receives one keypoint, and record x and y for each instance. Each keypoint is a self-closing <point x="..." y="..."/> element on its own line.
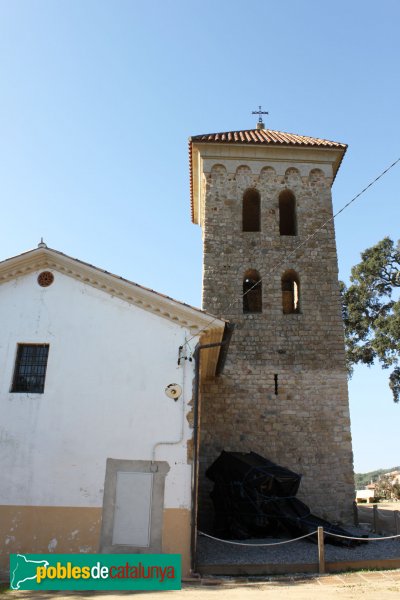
<point x="306" y="425"/>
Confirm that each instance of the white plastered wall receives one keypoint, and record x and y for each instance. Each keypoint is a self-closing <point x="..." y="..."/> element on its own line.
<point x="109" y="364"/>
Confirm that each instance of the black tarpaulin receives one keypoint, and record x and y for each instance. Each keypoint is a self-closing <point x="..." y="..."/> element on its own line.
<point x="254" y="497"/>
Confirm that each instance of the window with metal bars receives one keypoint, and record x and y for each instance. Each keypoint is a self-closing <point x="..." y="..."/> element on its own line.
<point x="30" y="368"/>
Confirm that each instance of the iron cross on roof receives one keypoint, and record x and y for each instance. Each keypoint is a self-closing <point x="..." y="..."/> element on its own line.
<point x="259" y="112"/>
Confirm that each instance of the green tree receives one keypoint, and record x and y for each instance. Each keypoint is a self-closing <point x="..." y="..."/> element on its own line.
<point x="371" y="311"/>
<point x="384" y="488"/>
<point x="396" y="490"/>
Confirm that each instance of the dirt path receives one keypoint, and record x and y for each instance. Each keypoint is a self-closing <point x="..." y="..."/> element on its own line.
<point x="370" y="585"/>
<point x="387" y="506"/>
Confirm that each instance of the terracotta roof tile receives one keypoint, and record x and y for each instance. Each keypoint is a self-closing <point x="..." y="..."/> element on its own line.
<point x="265" y="136"/>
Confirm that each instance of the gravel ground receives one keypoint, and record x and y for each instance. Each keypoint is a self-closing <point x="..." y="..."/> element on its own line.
<point x="213" y="552"/>
<point x="353" y="586"/>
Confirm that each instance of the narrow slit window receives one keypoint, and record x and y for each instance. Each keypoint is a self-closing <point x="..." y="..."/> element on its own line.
<point x="251" y="211"/>
<point x="287" y="213"/>
<point x="290" y="293"/>
<point x="252" y="292"/>
<point x="30" y="368"/>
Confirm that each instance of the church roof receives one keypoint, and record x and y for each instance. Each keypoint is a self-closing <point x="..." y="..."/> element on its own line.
<point x="265" y="136"/>
<point x="210" y="329"/>
<point x="43" y="257"/>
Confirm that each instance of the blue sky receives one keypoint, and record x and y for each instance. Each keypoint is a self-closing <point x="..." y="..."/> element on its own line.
<point x="98" y="99"/>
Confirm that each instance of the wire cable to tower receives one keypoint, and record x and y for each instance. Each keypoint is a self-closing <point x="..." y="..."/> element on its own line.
<point x="300" y="245"/>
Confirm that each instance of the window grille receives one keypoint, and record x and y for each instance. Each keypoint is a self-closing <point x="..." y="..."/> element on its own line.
<point x="45" y="278"/>
<point x="30" y="368"/>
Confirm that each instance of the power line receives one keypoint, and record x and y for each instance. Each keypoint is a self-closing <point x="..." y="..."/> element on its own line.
<point x="301" y="244"/>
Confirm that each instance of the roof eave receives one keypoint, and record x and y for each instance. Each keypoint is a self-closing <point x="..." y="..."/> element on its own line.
<point x="196" y="320"/>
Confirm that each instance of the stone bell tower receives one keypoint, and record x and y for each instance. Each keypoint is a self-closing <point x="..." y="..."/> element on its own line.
<point x="258" y="195"/>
